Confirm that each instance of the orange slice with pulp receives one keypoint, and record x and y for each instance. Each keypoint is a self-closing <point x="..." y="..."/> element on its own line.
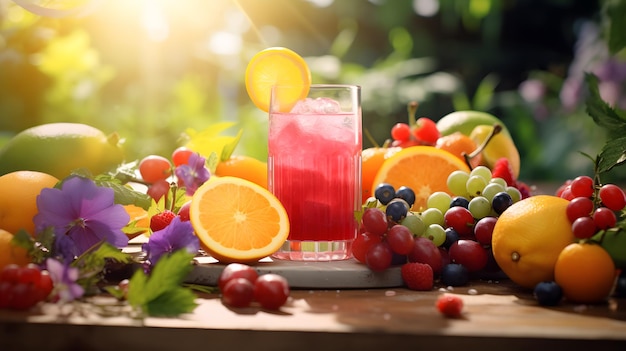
<point x="277" y="66"/>
<point x="237" y="220"/>
<point x="424" y="169"/>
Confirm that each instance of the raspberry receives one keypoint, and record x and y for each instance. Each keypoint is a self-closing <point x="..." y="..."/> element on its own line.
<point x="417" y="276"/>
<point x="161" y="220"/>
<point x="502" y="169"/>
<point x="449" y="305"/>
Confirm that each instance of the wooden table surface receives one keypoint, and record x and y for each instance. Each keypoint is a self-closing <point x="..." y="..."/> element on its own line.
<point x="497" y="314"/>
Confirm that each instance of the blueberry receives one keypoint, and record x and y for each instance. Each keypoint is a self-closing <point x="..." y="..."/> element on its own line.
<point x="384" y="193"/>
<point x="459" y="201"/>
<point x="454" y="274"/>
<point x="501" y="201"/>
<point x="396" y="211"/>
<point x="548" y="293"/>
<point x="451" y="237"/>
<point x="620" y="286"/>
<point x="407" y="194"/>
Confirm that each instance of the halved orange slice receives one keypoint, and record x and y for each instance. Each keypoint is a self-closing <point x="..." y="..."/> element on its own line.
<point x="237" y="220"/>
<point x="424" y="169"/>
<point x="277" y="66"/>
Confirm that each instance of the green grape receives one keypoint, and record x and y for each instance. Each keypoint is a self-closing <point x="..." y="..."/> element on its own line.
<point x="456" y="182"/>
<point x="491" y="189"/>
<point x="482" y="171"/>
<point x="436" y="234"/>
<point x="480" y="207"/>
<point x="415" y="224"/>
<point x="439" y="200"/>
<point x="432" y="216"/>
<point x="475" y="185"/>
<point x="499" y="180"/>
<point x="514" y="192"/>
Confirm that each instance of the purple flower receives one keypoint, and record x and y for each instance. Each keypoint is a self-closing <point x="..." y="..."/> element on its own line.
<point x="194" y="173"/>
<point x="64" y="278"/>
<point x="82" y="215"/>
<point x="177" y="235"/>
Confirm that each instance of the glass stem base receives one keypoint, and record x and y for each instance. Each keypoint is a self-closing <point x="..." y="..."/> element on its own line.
<point x="296" y="250"/>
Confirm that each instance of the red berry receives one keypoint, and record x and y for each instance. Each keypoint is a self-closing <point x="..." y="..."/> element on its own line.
<point x="183" y="212"/>
<point x="362" y="244"/>
<point x="582" y="186"/>
<point x="417" y="276"/>
<point x="468" y="253"/>
<point x="379" y="257"/>
<point x="401" y="132"/>
<point x="400" y="239"/>
<point x="425" y="130"/>
<point x="374" y="221"/>
<point x="579" y="207"/>
<point x="161" y="220"/>
<point x="180" y="156"/>
<point x="449" y="305"/>
<point x="604" y="218"/>
<point x="271" y="291"/>
<point x="502" y="169"/>
<point x="460" y="219"/>
<point x="425" y="251"/>
<point x="584" y="227"/>
<point x="154" y="167"/>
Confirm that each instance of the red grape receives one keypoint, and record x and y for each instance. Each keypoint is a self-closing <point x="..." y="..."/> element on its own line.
<point x="23" y="287"/>
<point x="362" y="244"/>
<point x="584" y="227"/>
<point x="183" y="211"/>
<point x="483" y="230"/>
<point x="236" y="270"/>
<point x="180" y="156"/>
<point x="582" y="186"/>
<point x="612" y="197"/>
<point x="154" y="167"/>
<point x="238" y="292"/>
<point x="271" y="291"/>
<point x="460" y="219"/>
<point x="468" y="253"/>
<point x="579" y="207"/>
<point x="604" y="218"/>
<point x="425" y="251"/>
<point x="400" y="239"/>
<point x="375" y="221"/>
<point x="379" y="256"/>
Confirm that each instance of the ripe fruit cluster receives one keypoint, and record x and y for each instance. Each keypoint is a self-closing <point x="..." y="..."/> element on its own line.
<point x="452" y="235"/>
<point x="591" y="208"/>
<point x="22" y="287"/>
<point x="241" y="285"/>
<point x="422" y="131"/>
<point x="155" y="171"/>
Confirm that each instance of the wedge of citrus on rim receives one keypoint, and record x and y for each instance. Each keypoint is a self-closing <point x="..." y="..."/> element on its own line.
<point x="424" y="169"/>
<point x="237" y="220"/>
<point x="277" y="66"/>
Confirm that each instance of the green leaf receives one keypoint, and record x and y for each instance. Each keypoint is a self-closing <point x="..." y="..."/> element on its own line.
<point x="210" y="139"/>
<point x="125" y="195"/>
<point x="171" y="303"/>
<point x="613" y="121"/>
<point x="229" y="148"/>
<point x="613" y="154"/>
<point x="615" y="13"/>
<point x="162" y="293"/>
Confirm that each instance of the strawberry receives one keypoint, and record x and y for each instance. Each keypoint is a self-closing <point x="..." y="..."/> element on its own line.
<point x="449" y="305"/>
<point x="161" y="220"/>
<point x="502" y="169"/>
<point x="417" y="276"/>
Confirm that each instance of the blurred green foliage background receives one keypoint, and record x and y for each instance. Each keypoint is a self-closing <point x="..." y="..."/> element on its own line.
<point x="150" y="69"/>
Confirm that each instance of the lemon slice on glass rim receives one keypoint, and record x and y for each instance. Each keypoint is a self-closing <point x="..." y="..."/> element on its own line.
<point x="277" y="66"/>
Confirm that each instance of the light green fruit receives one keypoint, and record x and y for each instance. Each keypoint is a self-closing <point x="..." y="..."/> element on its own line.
<point x="60" y="148"/>
<point x="466" y="121"/>
<point x="501" y="145"/>
<point x="615" y="244"/>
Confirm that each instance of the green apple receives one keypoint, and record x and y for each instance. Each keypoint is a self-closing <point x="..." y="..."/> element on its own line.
<point x="466" y="121"/>
<point x="501" y="145"/>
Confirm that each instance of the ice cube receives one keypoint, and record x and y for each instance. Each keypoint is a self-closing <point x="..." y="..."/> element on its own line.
<point x="317" y="106"/>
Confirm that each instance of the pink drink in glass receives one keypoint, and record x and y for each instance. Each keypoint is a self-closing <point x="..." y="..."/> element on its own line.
<point x="314" y="164"/>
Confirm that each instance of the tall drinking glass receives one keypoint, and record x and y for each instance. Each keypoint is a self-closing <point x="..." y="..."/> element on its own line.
<point x="314" y="169"/>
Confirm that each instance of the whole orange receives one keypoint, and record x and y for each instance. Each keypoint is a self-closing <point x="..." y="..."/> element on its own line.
<point x="10" y="253"/>
<point x="458" y="144"/>
<point x="244" y="167"/>
<point x="18" y="203"/>
<point x="585" y="272"/>
<point x="371" y="160"/>
<point x="528" y="238"/>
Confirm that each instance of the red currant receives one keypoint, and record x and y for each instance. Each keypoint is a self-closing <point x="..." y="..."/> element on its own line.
<point x="582" y="186"/>
<point x="579" y="207"/>
<point x="153" y="168"/>
<point x="426" y="130"/>
<point x="180" y="156"/>
<point x="612" y="197"/>
<point x="401" y="132"/>
<point x="604" y="218"/>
